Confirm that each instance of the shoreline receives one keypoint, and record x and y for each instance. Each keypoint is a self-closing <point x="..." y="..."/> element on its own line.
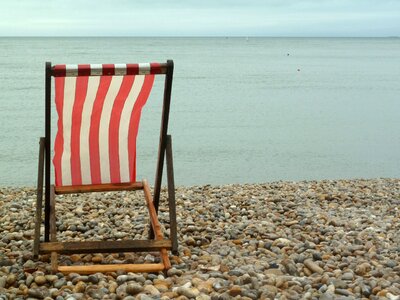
<point x="285" y="240"/>
<point x="302" y="181"/>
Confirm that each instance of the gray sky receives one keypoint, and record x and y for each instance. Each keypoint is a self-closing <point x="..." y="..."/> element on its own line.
<point x="200" y="18"/>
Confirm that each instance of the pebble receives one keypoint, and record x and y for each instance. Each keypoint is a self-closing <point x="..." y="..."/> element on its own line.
<point x="347" y="276"/>
<point x="29" y="264"/>
<point x="329" y="239"/>
<point x="235" y="291"/>
<point x="363" y="269"/>
<point x="59" y="283"/>
<point x="203" y="297"/>
<point x="313" y="266"/>
<point x="5" y="262"/>
<point x="79" y="287"/>
<point x="40" y="280"/>
<point x="93" y="279"/>
<point x="36" y="293"/>
<point x="11" y="279"/>
<point x="187" y="292"/>
<point x="152" y="290"/>
<point x="174" y="272"/>
<point x="3" y="282"/>
<point x="133" y="289"/>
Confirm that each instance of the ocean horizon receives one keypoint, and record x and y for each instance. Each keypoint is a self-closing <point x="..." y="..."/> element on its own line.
<point x="244" y="109"/>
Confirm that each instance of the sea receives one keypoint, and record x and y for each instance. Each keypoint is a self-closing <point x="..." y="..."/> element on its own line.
<point x="244" y="109"/>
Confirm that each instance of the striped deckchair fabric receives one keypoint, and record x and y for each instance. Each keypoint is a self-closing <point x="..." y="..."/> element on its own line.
<point x="99" y="108"/>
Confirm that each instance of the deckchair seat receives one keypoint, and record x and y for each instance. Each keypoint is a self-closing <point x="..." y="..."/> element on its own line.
<point x="99" y="108"/>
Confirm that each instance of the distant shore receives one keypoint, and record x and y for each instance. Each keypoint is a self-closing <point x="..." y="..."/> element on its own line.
<point x="311" y="239"/>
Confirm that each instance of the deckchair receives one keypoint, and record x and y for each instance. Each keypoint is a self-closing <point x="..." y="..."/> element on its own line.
<point x="99" y="109"/>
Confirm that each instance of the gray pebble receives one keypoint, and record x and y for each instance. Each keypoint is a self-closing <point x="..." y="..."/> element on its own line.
<point x="187" y="292"/>
<point x="174" y="272"/>
<point x="347" y="276"/>
<point x="93" y="279"/>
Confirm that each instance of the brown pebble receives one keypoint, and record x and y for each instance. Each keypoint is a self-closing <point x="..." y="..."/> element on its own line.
<point x="235" y="291"/>
<point x="187" y="252"/>
<point x="98" y="258"/>
<point x="382" y="293"/>
<point x="75" y="257"/>
<point x="224" y="268"/>
<point x="312" y="266"/>
<point x="80" y="287"/>
<point x="363" y="269"/>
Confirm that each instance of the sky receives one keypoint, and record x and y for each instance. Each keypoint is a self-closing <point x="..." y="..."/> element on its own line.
<point x="297" y="18"/>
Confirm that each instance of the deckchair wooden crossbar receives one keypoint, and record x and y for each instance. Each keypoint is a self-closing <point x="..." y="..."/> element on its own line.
<point x="105" y="246"/>
<point x="84" y="270"/>
<point x="109" y="69"/>
<point x="135" y="82"/>
<point x="110" y="187"/>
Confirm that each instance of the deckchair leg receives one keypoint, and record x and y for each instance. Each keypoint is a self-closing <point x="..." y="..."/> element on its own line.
<point x="39" y="198"/>
<point x="155" y="224"/>
<point x="171" y="197"/>
<point x="53" y="229"/>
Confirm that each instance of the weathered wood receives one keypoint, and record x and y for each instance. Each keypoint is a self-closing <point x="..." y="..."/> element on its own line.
<point x="53" y="229"/>
<point x="163" y="132"/>
<point x="39" y="198"/>
<point x="91" y="269"/>
<point x="104" y="246"/>
<point x="171" y="196"/>
<point x="47" y="151"/>
<point x="54" y="262"/>
<point x="152" y="212"/>
<point x="99" y="188"/>
<point x="165" y="259"/>
<point x="155" y="224"/>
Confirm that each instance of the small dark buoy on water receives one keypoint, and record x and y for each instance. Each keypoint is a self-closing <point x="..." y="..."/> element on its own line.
<point x="288" y="54"/>
<point x="298" y="70"/>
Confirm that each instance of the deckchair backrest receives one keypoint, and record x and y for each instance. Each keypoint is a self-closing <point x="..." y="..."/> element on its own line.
<point x="99" y="108"/>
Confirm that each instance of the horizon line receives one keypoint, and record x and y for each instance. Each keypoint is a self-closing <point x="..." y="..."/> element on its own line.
<point x="187" y="36"/>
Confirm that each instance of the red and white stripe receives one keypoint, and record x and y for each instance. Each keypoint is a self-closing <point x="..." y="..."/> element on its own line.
<point x="97" y="127"/>
<point x="106" y="69"/>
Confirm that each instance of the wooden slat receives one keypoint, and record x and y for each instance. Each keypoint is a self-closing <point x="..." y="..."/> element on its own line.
<point x="155" y="224"/>
<point x="99" y="188"/>
<point x="152" y="212"/>
<point x="104" y="246"/>
<point x="145" y="268"/>
<point x="54" y="262"/>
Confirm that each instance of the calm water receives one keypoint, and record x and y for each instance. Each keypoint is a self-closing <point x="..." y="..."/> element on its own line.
<point x="243" y="110"/>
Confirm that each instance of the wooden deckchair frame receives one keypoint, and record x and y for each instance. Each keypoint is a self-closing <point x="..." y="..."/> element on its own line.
<point x="50" y="245"/>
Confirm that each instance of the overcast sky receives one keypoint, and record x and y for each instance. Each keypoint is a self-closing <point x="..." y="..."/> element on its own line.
<point x="200" y="18"/>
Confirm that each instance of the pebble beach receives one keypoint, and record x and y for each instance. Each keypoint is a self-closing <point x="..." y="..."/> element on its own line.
<point x="330" y="239"/>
